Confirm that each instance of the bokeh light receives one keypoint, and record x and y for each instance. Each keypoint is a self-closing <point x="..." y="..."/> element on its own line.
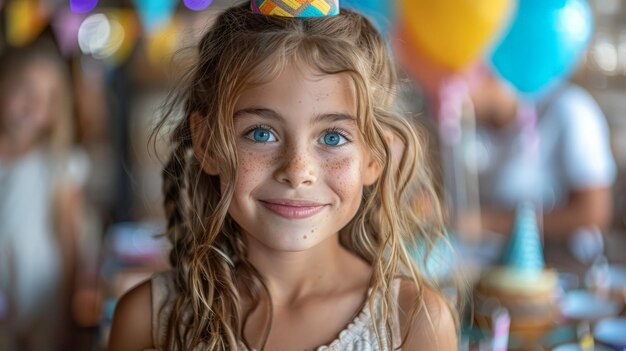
<point x="197" y="5"/>
<point x="114" y="42"/>
<point x="82" y="6"/>
<point x="604" y="54"/>
<point x="100" y="36"/>
<point x="94" y="33"/>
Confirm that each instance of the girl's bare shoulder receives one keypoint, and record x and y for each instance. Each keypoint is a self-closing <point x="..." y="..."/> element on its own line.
<point x="434" y="326"/>
<point x="132" y="325"/>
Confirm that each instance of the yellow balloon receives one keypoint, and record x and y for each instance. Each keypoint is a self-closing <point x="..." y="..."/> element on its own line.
<point x="453" y="33"/>
<point x="163" y="43"/>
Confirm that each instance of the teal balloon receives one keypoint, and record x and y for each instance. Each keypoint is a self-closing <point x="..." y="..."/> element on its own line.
<point x="544" y="43"/>
<point x="379" y="11"/>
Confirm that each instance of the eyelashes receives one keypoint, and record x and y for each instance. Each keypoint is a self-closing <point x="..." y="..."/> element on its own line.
<point x="335" y="137"/>
<point x="262" y="133"/>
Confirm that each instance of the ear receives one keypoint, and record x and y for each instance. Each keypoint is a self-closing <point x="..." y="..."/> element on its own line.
<point x="372" y="170"/>
<point x="396" y="147"/>
<point x="199" y="142"/>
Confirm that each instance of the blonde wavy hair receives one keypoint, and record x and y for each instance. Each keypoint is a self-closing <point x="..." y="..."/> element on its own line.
<point x="209" y="254"/>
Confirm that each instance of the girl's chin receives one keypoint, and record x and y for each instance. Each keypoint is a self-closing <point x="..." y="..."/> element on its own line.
<point x="297" y="243"/>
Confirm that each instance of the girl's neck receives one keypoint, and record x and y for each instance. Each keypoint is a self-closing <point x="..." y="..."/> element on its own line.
<point x="294" y="276"/>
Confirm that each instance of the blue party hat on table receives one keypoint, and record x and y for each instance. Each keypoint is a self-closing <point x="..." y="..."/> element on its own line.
<point x="524" y="251"/>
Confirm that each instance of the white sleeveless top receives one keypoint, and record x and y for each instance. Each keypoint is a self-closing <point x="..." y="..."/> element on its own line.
<point x="359" y="335"/>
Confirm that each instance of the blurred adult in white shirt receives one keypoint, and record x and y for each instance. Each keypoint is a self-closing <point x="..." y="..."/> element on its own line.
<point x="572" y="175"/>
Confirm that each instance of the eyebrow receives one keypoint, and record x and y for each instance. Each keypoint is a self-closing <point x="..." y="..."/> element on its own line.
<point x="271" y="114"/>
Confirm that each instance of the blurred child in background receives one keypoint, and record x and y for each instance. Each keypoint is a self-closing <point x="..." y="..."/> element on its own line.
<point x="41" y="176"/>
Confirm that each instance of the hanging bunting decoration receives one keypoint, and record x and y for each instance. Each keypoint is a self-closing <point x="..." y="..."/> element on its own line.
<point x="154" y="13"/>
<point x="197" y="5"/>
<point x="25" y="21"/>
<point x="161" y="46"/>
<point x="82" y="6"/>
<point x="65" y="25"/>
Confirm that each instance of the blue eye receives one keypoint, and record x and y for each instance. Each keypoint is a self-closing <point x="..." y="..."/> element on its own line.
<point x="334" y="139"/>
<point x="261" y="135"/>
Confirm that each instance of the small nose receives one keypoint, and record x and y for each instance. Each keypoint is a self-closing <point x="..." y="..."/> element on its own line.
<point x="297" y="168"/>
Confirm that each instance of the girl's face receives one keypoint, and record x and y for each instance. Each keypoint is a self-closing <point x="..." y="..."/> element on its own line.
<point x="27" y="102"/>
<point x="302" y="160"/>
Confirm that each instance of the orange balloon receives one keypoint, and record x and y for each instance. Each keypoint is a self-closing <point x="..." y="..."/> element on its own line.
<point x="428" y="74"/>
<point x="416" y="65"/>
<point x="454" y="33"/>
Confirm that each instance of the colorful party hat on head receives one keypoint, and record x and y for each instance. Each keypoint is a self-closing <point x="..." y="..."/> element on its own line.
<point x="296" y="8"/>
<point x="524" y="251"/>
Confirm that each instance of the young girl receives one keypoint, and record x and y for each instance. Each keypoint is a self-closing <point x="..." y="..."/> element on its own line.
<point x="41" y="178"/>
<point x="290" y="230"/>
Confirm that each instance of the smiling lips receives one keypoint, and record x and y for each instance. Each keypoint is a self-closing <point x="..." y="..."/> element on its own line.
<point x="293" y="209"/>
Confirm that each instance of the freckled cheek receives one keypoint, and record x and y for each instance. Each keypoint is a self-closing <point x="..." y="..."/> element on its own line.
<point x="344" y="177"/>
<point x="253" y="168"/>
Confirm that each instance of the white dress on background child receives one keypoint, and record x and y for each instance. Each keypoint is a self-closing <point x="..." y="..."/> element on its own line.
<point x="357" y="336"/>
<point x="30" y="263"/>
